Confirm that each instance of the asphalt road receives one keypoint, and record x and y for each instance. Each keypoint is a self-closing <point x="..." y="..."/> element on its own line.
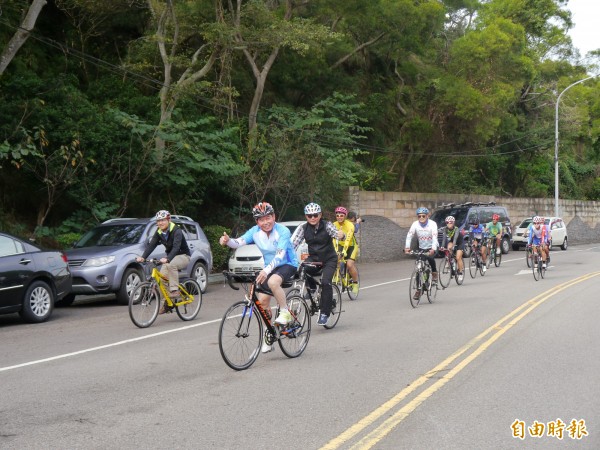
<point x="456" y="374"/>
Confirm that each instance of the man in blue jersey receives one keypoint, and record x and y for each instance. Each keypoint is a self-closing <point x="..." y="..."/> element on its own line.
<point x="281" y="263"/>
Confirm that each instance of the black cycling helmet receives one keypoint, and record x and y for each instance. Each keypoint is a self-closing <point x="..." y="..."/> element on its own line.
<point x="262" y="209"/>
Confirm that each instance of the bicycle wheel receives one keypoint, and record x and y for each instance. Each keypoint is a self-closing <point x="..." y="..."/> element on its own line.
<point x="488" y="259"/>
<point x="414" y="287"/>
<point x="534" y="267"/>
<point x="294" y="336"/>
<point x="336" y="308"/>
<point x="240" y="335"/>
<point x="445" y="273"/>
<point x="190" y="291"/>
<point x="350" y="286"/>
<point x="528" y="256"/>
<point x="481" y="264"/>
<point x="144" y="303"/>
<point x="498" y="258"/>
<point x="473" y="269"/>
<point x="432" y="292"/>
<point x="541" y="267"/>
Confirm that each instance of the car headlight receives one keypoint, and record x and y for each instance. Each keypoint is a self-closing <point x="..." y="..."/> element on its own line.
<point x="97" y="262"/>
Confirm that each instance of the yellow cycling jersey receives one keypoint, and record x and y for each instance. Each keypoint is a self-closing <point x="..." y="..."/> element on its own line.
<point x="348" y="228"/>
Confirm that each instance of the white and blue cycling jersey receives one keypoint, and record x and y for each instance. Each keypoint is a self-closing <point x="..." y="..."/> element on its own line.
<point x="276" y="247"/>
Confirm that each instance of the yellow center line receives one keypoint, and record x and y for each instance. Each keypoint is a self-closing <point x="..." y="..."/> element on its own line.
<point x="386" y="427"/>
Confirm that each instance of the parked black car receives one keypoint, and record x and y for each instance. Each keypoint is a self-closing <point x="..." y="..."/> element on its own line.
<point x="103" y="260"/>
<point x="32" y="280"/>
<point x="466" y="213"/>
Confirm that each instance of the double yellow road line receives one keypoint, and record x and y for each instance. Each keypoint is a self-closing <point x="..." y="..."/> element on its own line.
<point x="481" y="342"/>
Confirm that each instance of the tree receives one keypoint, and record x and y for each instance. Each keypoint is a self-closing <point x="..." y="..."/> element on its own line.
<point x="21" y="34"/>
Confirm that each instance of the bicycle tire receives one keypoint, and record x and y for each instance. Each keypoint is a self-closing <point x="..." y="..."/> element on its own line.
<point x="240" y="335"/>
<point x="534" y="268"/>
<point x="144" y="303"/>
<point x="488" y="259"/>
<point x="481" y="265"/>
<point x="336" y="308"/>
<point x="349" y="284"/>
<point x="295" y="335"/>
<point x="189" y="289"/>
<point x="432" y="292"/>
<point x="445" y="273"/>
<point x="498" y="258"/>
<point x="541" y="267"/>
<point x="473" y="269"/>
<point x="413" y="287"/>
<point x="528" y="257"/>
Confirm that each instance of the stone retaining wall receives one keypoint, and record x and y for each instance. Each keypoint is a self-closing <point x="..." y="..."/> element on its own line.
<point x="388" y="215"/>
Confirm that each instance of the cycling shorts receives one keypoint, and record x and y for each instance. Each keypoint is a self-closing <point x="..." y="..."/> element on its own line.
<point x="287" y="272"/>
<point x="351" y="252"/>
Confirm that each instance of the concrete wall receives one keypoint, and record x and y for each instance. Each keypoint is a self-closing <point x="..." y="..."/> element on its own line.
<point x="388" y="215"/>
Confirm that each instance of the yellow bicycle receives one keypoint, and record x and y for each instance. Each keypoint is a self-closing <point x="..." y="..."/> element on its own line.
<point x="145" y="299"/>
<point x="342" y="277"/>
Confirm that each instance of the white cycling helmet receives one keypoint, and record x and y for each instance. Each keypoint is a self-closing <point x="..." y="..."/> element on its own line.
<point x="162" y="214"/>
<point x="538" y="219"/>
<point x="450" y="219"/>
<point x="312" y="208"/>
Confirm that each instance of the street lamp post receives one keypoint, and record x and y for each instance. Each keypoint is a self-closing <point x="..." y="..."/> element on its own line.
<point x="556" y="143"/>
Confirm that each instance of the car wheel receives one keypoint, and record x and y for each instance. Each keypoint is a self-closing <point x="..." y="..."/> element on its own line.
<point x="38" y="303"/>
<point x="564" y="245"/>
<point x="131" y="278"/>
<point x="200" y="274"/>
<point x="66" y="301"/>
<point x="505" y="245"/>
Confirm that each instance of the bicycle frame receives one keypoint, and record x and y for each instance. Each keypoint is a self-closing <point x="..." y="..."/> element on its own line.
<point x="161" y="282"/>
<point x="253" y="304"/>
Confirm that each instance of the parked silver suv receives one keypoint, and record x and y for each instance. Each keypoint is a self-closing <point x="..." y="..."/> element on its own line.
<point x="103" y="260"/>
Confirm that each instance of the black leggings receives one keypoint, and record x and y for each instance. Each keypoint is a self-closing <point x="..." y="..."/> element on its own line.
<point x="329" y="268"/>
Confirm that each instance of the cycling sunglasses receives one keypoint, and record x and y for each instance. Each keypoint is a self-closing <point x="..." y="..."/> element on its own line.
<point x="312" y="216"/>
<point x="420" y="216"/>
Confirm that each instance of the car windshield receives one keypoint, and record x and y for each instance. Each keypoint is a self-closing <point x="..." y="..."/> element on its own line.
<point x="525" y="223"/>
<point x="459" y="215"/>
<point x="121" y="234"/>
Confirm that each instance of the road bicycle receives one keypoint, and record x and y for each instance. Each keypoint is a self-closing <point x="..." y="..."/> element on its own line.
<point x="529" y="256"/>
<point x="313" y="298"/>
<point x="246" y="324"/>
<point x="421" y="280"/>
<point x="145" y="299"/>
<point x="493" y="254"/>
<point x="476" y="262"/>
<point x="449" y="269"/>
<point x="342" y="277"/>
<point x="537" y="265"/>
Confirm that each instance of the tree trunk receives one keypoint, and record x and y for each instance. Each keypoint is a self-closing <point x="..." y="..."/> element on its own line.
<point x="21" y="34"/>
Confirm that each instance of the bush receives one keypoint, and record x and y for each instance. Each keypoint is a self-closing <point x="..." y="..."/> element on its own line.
<point x="66" y="240"/>
<point x="220" y="254"/>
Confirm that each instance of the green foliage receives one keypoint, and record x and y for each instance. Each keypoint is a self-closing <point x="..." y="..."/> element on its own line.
<point x="66" y="240"/>
<point x="220" y="253"/>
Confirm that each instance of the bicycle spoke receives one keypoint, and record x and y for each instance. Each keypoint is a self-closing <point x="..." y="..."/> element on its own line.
<point x="191" y="297"/>
<point x="336" y="308"/>
<point x="144" y="303"/>
<point x="294" y="336"/>
<point x="240" y="336"/>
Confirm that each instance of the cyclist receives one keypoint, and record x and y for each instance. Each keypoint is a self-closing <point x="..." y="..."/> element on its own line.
<point x="178" y="252"/>
<point x="426" y="232"/>
<point x="281" y="263"/>
<point x="453" y="241"/>
<point x="318" y="234"/>
<point x="476" y="231"/>
<point x="356" y="220"/>
<point x="539" y="236"/>
<point x="350" y="250"/>
<point x="494" y="228"/>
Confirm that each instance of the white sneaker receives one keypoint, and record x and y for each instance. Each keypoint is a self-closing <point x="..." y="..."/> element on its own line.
<point x="543" y="265"/>
<point x="484" y="269"/>
<point x="266" y="348"/>
<point x="284" y="317"/>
